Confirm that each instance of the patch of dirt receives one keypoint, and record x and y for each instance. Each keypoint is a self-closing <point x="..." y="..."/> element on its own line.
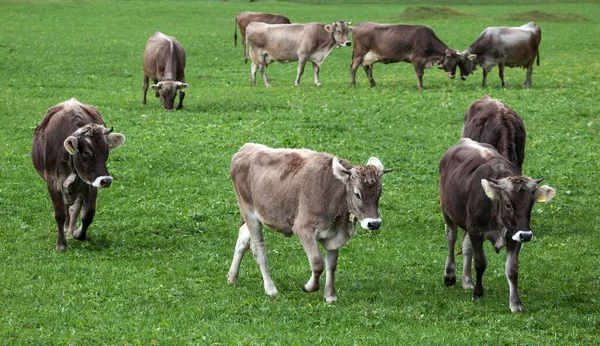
<point x="540" y="16"/>
<point x="424" y="12"/>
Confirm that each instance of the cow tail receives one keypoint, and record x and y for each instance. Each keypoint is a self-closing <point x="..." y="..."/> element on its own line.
<point x="246" y="50"/>
<point x="235" y="32"/>
<point x="538" y="58"/>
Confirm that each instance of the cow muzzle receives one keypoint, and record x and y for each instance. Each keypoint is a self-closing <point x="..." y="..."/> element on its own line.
<point x="371" y="224"/>
<point x="346" y="44"/>
<point x="103" y="181"/>
<point x="522" y="236"/>
<point x="463" y="77"/>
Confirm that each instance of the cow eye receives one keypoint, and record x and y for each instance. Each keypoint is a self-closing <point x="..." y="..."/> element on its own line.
<point x="87" y="154"/>
<point x="508" y="206"/>
<point x="357" y="195"/>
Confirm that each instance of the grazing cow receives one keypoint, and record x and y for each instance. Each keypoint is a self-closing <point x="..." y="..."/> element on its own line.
<point x="294" y="42"/>
<point x="490" y="121"/>
<point x="164" y="62"/>
<point x="503" y="46"/>
<point x="482" y="193"/>
<point x="389" y="43"/>
<point x="312" y="195"/>
<point x="242" y="20"/>
<point x="70" y="150"/>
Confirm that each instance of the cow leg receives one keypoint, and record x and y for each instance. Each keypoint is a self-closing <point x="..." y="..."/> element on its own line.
<point x="419" y="71"/>
<point x="450" y="267"/>
<point x="467" y="252"/>
<point x="480" y="265"/>
<point x="353" y="67"/>
<point x="181" y="97"/>
<point x="61" y="217"/>
<point x="257" y="245"/>
<point x="330" y="265"/>
<point x="73" y="214"/>
<point x="88" y="213"/>
<point x="316" y="69"/>
<point x="241" y="246"/>
<point x="301" y="64"/>
<point x="145" y="89"/>
<point x="485" y="73"/>
<point x="501" y="74"/>
<point x="307" y="238"/>
<point x="512" y="274"/>
<point x="253" y="70"/>
<point x="369" y="72"/>
<point x="528" y="76"/>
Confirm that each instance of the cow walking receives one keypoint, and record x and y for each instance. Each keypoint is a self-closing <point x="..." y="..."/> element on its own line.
<point x="503" y="46"/>
<point x="242" y="20"/>
<point x="482" y="193"/>
<point x="164" y="63"/>
<point x="490" y="121"/>
<point x="293" y="42"/>
<point x="70" y="150"/>
<point x="315" y="196"/>
<point x="390" y="43"/>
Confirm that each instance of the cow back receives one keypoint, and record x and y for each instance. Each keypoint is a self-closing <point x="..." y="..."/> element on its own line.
<point x="164" y="58"/>
<point x="286" y="41"/>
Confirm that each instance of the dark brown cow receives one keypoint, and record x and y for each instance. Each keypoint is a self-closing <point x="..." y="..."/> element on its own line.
<point x="70" y="150"/>
<point x="503" y="46"/>
<point x="389" y="43"/>
<point x="482" y="193"/>
<point x="312" y="195"/>
<point x="242" y="20"/>
<point x="294" y="42"/>
<point x="164" y="62"/>
<point x="490" y="121"/>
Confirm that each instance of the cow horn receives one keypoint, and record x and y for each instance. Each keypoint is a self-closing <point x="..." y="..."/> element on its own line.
<point x="537" y="181"/>
<point x="110" y="130"/>
<point x="495" y="181"/>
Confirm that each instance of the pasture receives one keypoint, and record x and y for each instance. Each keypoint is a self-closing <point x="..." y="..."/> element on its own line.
<point x="153" y="270"/>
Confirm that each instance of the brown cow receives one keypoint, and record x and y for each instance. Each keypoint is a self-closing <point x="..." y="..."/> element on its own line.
<point x="490" y="121"/>
<point x="164" y="62"/>
<point x="503" y="46"/>
<point x="312" y="195"/>
<point x="70" y="150"/>
<point x="482" y="193"/>
<point x="389" y="43"/>
<point x="293" y="42"/>
<point x="242" y="20"/>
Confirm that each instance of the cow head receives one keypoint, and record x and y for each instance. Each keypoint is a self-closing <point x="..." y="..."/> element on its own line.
<point x="512" y="200"/>
<point x="449" y="63"/>
<point x="89" y="147"/>
<point x="363" y="189"/>
<point x="467" y="64"/>
<point x="340" y="31"/>
<point x="167" y="90"/>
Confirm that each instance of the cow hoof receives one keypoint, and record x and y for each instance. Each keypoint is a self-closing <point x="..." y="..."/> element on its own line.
<point x="330" y="299"/>
<point x="517" y="309"/>
<point x="318" y="85"/>
<point x="271" y="292"/>
<point x="232" y="279"/>
<point x="79" y="235"/>
<point x="468" y="286"/>
<point x="451" y="281"/>
<point x="310" y="288"/>
<point x="61" y="247"/>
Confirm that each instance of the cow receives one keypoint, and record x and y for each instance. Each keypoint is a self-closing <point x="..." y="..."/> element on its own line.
<point x="164" y="62"/>
<point x="389" y="43"/>
<point x="242" y="20"/>
<point x="315" y="196"/>
<point x="490" y="121"/>
<point x="503" y="46"/>
<point x="293" y="42"/>
<point x="70" y="150"/>
<point x="482" y="192"/>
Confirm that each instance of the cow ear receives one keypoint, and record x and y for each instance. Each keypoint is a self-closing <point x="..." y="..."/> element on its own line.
<point x="182" y="87"/>
<point x="71" y="144"/>
<point x="472" y="57"/>
<point x="544" y="194"/>
<point x="448" y="53"/>
<point x="114" y="140"/>
<point x="328" y="28"/>
<point x="373" y="161"/>
<point x="339" y="171"/>
<point x="489" y="188"/>
<point x="155" y="87"/>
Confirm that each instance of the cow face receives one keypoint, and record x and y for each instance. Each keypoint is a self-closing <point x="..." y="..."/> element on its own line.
<point x="449" y="63"/>
<point x="467" y="64"/>
<point x="167" y="90"/>
<point x="363" y="189"/>
<point x="89" y="147"/>
<point x="340" y="31"/>
<point x="512" y="200"/>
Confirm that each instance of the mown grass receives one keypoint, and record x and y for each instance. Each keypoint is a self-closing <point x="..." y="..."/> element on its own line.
<point x="153" y="270"/>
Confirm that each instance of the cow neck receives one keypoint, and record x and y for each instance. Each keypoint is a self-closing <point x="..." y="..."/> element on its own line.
<point x="171" y="66"/>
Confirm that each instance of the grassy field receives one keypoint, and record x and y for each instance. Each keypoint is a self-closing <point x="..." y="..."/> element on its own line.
<point x="153" y="271"/>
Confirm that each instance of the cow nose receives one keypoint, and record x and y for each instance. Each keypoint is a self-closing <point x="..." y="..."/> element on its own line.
<point x="375" y="224"/>
<point x="347" y="43"/>
<point x="103" y="181"/>
<point x="522" y="236"/>
<point x="463" y="77"/>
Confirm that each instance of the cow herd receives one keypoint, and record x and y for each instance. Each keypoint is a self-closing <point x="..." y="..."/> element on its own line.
<point x="317" y="196"/>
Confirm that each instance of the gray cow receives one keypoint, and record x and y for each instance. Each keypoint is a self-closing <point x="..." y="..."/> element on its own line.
<point x="293" y="42"/>
<point x="164" y="63"/>
<point x="312" y="195"/>
<point x="70" y="150"/>
<point x="482" y="193"/>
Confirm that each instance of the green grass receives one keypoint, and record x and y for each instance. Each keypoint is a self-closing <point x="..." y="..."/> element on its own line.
<point x="153" y="270"/>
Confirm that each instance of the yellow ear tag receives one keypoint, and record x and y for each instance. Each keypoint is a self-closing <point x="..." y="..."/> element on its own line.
<point x="490" y="194"/>
<point x="541" y="198"/>
<point x="352" y="217"/>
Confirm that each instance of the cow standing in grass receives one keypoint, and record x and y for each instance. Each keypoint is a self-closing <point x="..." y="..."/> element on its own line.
<point x="70" y="150"/>
<point x="483" y="193"/>
<point x="300" y="192"/>
<point x="164" y="63"/>
<point x="503" y="46"/>
<point x="242" y="20"/>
